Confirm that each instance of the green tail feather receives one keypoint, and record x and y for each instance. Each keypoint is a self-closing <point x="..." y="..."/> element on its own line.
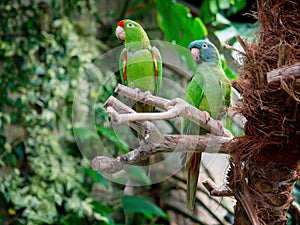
<point x="192" y="179"/>
<point x="192" y="170"/>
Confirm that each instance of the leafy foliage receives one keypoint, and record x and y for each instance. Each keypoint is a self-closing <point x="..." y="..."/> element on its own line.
<point x="209" y="10"/>
<point x="43" y="52"/>
<point x="184" y="28"/>
<point x="134" y="204"/>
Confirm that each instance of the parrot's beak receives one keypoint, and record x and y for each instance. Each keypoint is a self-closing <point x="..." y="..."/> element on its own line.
<point x="195" y="53"/>
<point x="120" y="33"/>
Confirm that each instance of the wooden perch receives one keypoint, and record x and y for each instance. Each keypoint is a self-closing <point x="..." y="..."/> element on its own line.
<point x="280" y="73"/>
<point x="214" y="190"/>
<point x="116" y="108"/>
<point x="174" y="108"/>
<point x="169" y="143"/>
<point x="155" y="142"/>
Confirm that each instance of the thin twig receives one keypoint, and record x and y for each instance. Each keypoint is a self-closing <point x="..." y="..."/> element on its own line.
<point x="182" y="185"/>
<point x="214" y="190"/>
<point x="234" y="49"/>
<point x="178" y="71"/>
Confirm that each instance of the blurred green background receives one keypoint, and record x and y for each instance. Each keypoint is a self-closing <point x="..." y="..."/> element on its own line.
<point x="45" y="48"/>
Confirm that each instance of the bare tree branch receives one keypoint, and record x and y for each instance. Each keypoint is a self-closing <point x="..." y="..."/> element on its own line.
<point x="280" y="73"/>
<point x="178" y="71"/>
<point x="174" y="108"/>
<point x="214" y="190"/>
<point x="169" y="143"/>
<point x="154" y="142"/>
<point x="145" y="128"/>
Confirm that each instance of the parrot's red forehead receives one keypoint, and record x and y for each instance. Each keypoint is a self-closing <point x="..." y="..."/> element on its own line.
<point x="121" y="23"/>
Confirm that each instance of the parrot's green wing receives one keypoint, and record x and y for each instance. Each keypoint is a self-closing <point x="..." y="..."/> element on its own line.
<point x="122" y="66"/>
<point x="194" y="95"/>
<point x="156" y="67"/>
<point x="157" y="62"/>
<point x="195" y="91"/>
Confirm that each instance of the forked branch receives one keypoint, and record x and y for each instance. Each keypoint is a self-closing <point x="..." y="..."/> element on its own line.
<point x="173" y="108"/>
<point x="154" y="141"/>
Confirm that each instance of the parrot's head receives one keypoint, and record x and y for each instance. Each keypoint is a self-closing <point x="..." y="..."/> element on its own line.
<point x="204" y="51"/>
<point x="130" y="31"/>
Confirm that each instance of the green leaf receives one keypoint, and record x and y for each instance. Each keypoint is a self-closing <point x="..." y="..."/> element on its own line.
<point x="224" y="4"/>
<point x="111" y="135"/>
<point x="101" y="208"/>
<point x="205" y="12"/>
<point x="97" y="178"/>
<point x="231" y="75"/>
<point x="238" y="5"/>
<point x="184" y="28"/>
<point x="132" y="204"/>
<point x="139" y="174"/>
<point x="85" y="133"/>
<point x="210" y="8"/>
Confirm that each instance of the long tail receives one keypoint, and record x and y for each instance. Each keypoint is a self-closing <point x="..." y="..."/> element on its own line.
<point x="192" y="169"/>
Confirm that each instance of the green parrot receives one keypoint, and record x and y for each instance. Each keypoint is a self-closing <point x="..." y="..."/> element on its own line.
<point x="210" y="91"/>
<point x="140" y="64"/>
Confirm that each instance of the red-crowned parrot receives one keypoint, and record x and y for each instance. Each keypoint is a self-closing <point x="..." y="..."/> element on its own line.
<point x="210" y="91"/>
<point x="140" y="64"/>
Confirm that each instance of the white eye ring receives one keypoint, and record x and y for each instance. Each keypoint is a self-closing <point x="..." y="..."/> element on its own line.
<point x="204" y="46"/>
<point x="130" y="25"/>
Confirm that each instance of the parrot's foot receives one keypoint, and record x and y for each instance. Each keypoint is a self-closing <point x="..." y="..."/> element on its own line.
<point x="137" y="91"/>
<point x="221" y="127"/>
<point x="146" y="96"/>
<point x="206" y="117"/>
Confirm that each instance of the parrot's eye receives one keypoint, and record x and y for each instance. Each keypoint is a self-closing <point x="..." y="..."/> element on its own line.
<point x="204" y="46"/>
<point x="130" y="25"/>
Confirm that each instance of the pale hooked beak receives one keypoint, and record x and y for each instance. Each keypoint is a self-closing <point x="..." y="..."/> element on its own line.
<point x="195" y="53"/>
<point x="120" y="33"/>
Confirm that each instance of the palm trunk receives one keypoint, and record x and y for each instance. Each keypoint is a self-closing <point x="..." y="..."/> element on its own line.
<point x="264" y="169"/>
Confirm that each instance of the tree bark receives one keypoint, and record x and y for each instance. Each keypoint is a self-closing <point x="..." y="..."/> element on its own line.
<point x="264" y="169"/>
